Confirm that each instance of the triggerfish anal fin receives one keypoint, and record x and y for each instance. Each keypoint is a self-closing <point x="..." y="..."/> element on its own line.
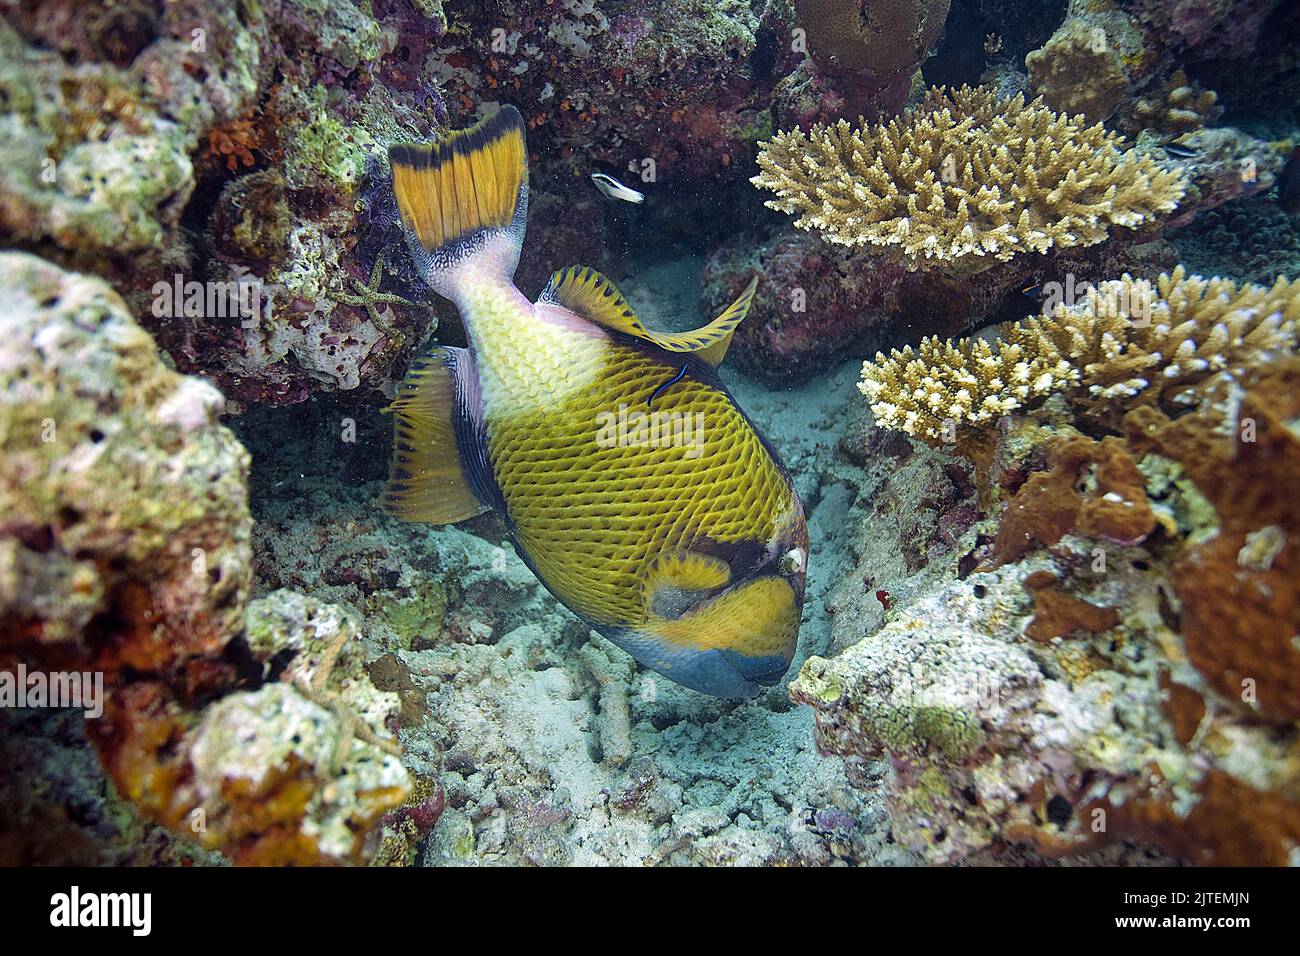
<point x="588" y="293"/>
<point x="426" y="481"/>
<point x="464" y="195"/>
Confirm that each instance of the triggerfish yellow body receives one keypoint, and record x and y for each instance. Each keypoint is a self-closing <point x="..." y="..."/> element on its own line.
<point x="631" y="483"/>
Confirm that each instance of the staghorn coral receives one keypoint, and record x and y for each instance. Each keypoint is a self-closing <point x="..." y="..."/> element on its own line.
<point x="1129" y="342"/>
<point x="965" y="180"/>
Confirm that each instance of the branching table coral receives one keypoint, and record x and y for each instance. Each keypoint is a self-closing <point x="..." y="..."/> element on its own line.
<point x="965" y="180"/>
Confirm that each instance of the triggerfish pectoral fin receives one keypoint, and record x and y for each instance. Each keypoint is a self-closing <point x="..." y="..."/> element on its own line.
<point x="426" y="481"/>
<point x="679" y="580"/>
<point x="731" y="644"/>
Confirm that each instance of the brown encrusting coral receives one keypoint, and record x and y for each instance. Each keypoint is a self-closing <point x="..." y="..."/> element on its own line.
<point x="965" y="180"/>
<point x="881" y="38"/>
<point x="1240" y="590"/>
<point x="1091" y="487"/>
<point x="1057" y="613"/>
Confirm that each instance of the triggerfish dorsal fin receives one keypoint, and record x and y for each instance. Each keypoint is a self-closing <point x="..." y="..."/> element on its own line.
<point x="591" y="295"/>
<point x="716" y="336"/>
<point x="426" y="481"/>
<point x="467" y="183"/>
<point x="594" y="297"/>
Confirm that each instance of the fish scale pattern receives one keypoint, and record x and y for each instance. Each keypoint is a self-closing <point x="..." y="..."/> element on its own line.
<point x="595" y="504"/>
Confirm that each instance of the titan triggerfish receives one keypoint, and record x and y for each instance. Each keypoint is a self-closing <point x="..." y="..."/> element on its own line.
<point x="628" y="478"/>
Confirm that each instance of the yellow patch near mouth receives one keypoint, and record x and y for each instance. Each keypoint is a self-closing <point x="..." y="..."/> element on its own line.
<point x="759" y="619"/>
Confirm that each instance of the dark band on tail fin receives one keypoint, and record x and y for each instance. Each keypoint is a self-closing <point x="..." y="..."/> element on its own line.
<point x="468" y="181"/>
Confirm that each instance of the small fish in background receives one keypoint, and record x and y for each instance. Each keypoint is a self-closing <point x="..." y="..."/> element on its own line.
<point x="1288" y="185"/>
<point x="1179" y="151"/>
<point x="692" y="557"/>
<point x="1034" y="300"/>
<point x="612" y="188"/>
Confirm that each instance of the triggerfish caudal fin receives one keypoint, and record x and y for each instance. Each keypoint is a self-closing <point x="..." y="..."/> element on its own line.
<point x="464" y="201"/>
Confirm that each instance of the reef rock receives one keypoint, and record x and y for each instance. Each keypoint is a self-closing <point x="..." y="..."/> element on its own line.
<point x="1104" y="661"/>
<point x="103" y="104"/>
<point x="126" y="525"/>
<point x="125" y="551"/>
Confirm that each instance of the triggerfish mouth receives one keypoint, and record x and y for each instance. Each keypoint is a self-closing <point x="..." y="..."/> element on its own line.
<point x="631" y="483"/>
